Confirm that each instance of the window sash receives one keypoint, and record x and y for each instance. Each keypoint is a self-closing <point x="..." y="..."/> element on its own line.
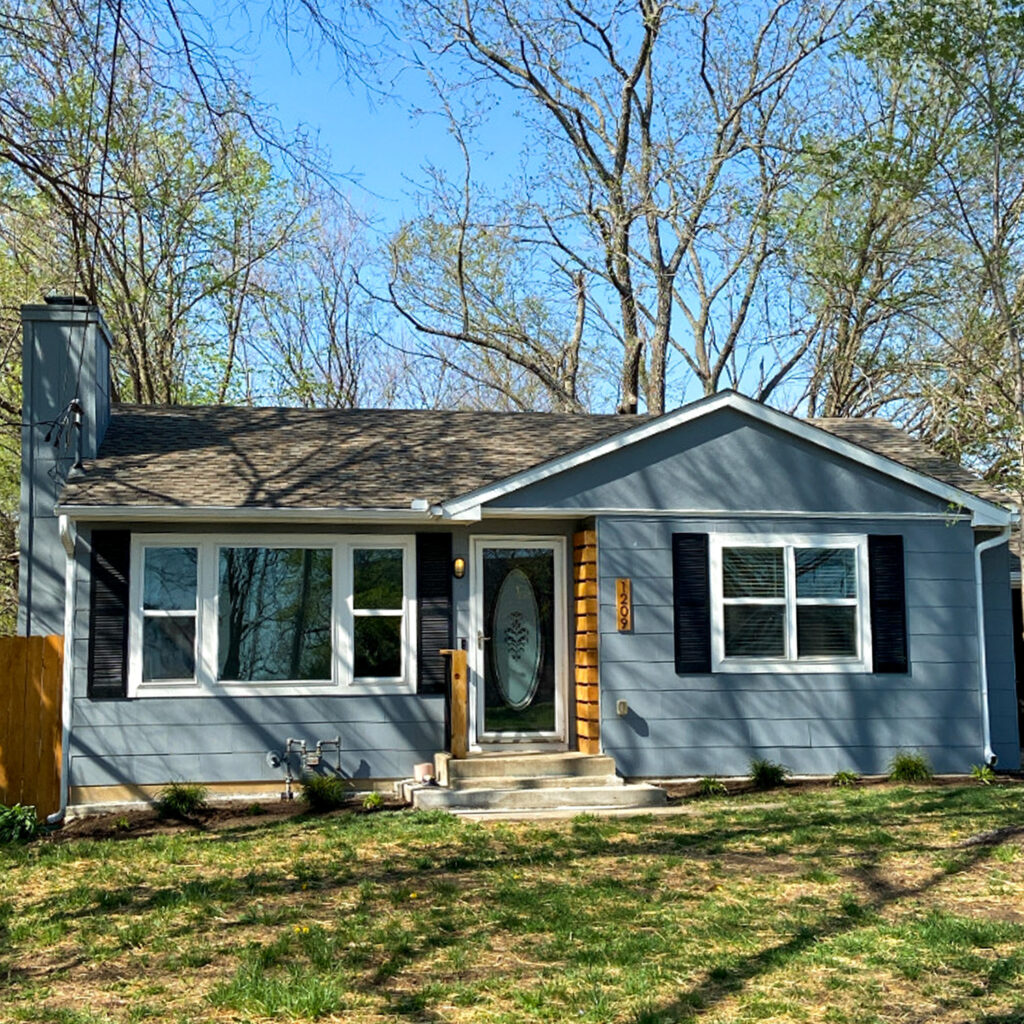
<point x="791" y="660"/>
<point x="206" y="682"/>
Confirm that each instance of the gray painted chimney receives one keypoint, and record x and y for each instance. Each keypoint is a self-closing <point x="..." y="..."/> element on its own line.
<point x="65" y="363"/>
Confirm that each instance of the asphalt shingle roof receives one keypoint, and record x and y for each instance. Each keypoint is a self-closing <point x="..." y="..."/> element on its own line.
<point x="238" y="457"/>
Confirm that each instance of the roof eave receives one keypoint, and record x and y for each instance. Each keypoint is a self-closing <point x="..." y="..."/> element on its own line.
<point x="239" y="514"/>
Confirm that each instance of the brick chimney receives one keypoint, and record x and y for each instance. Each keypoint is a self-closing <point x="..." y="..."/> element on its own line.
<point x="65" y="412"/>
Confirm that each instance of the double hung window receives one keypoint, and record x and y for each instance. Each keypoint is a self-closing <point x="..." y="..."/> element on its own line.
<point x="784" y="601"/>
<point x="316" y="614"/>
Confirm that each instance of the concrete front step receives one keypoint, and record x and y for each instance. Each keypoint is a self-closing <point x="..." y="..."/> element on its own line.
<point x="521" y="765"/>
<point x="539" y="782"/>
<point x="583" y="798"/>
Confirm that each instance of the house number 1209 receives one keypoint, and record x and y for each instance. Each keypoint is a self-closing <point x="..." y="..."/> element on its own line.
<point x="624" y="605"/>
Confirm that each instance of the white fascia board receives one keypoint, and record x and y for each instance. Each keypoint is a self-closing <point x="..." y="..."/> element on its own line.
<point x="984" y="513"/>
<point x="171" y="514"/>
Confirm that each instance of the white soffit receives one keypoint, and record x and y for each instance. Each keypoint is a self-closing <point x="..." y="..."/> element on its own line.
<point x="984" y="513"/>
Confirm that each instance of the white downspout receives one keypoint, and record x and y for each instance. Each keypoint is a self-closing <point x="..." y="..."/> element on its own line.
<point x="67" y="537"/>
<point x="986" y="725"/>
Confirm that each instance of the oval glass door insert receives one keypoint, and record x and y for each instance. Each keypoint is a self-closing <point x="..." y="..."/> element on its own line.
<point x="516" y="640"/>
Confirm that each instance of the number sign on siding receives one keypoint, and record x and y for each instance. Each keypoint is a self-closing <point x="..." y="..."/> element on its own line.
<point x="624" y="604"/>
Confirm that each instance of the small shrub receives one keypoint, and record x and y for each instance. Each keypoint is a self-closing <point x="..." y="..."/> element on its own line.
<point x="256" y="809"/>
<point x="123" y="824"/>
<point x="373" y="801"/>
<point x="181" y="800"/>
<point x="710" y="786"/>
<point x="844" y="778"/>
<point x="767" y="774"/>
<point x="983" y="773"/>
<point x="908" y="766"/>
<point x="325" y="792"/>
<point x="17" y="824"/>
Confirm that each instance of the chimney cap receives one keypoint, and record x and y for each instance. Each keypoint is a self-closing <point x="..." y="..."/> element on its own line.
<point x="66" y="300"/>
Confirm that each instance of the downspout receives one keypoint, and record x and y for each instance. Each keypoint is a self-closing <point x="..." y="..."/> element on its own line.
<point x="986" y="725"/>
<point x="67" y="538"/>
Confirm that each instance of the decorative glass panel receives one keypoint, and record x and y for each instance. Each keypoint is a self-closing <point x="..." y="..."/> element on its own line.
<point x="824" y="630"/>
<point x="378" y="646"/>
<point x="755" y="631"/>
<point x="377" y="578"/>
<point x="169" y="578"/>
<point x="519" y="637"/>
<point x="753" y="572"/>
<point x="274" y="614"/>
<point x="168" y="647"/>
<point x="826" y="572"/>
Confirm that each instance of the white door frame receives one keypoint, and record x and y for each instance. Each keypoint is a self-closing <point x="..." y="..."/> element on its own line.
<point x="478" y="740"/>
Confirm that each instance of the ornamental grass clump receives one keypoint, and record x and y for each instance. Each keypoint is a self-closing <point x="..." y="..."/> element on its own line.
<point x="181" y="800"/>
<point x="710" y="786"/>
<point x="767" y="774"/>
<point x="325" y="792"/>
<point x="910" y="766"/>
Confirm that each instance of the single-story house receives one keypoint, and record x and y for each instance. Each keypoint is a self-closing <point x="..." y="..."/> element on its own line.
<point x="680" y="593"/>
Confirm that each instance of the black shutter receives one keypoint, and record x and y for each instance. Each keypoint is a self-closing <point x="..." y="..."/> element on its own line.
<point x="888" y="604"/>
<point x="434" y="607"/>
<point x="108" y="613"/>
<point x="692" y="602"/>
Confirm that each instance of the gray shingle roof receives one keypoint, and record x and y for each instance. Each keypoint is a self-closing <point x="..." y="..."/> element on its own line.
<point x="232" y="457"/>
<point x="883" y="437"/>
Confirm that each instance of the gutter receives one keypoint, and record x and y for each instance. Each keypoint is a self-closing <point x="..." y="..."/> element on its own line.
<point x="67" y="538"/>
<point x="986" y="725"/>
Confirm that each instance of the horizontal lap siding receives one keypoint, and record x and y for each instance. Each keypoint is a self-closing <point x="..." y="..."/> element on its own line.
<point x="153" y="740"/>
<point x="999" y="655"/>
<point x="814" y="723"/>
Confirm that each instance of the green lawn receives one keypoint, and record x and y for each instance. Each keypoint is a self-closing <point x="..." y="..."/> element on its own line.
<point x="864" y="904"/>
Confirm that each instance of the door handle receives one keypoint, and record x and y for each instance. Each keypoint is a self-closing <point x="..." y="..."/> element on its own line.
<point x="481" y="639"/>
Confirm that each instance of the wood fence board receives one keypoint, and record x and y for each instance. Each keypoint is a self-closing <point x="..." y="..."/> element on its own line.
<point x="31" y="674"/>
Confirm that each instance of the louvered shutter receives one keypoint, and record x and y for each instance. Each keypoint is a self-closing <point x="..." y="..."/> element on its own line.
<point x="108" y="613"/>
<point x="434" y="606"/>
<point x="888" y="604"/>
<point x="692" y="602"/>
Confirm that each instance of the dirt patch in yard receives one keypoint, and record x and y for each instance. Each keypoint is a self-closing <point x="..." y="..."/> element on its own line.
<point x="217" y="818"/>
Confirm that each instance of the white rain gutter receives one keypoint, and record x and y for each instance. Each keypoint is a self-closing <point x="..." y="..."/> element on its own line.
<point x="986" y="725"/>
<point x="67" y="538"/>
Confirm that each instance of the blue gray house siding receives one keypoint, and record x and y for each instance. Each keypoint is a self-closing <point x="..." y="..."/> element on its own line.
<point x="65" y="354"/>
<point x="1002" y="683"/>
<point x="225" y="739"/>
<point x="713" y="475"/>
<point x="713" y="724"/>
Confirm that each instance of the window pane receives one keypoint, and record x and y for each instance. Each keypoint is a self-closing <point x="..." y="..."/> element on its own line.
<point x="377" y="577"/>
<point x="826" y="630"/>
<point x="274" y="614"/>
<point x="170" y="578"/>
<point x="753" y="572"/>
<point x="755" y="631"/>
<point x="168" y="647"/>
<point x="378" y="646"/>
<point x="826" y="572"/>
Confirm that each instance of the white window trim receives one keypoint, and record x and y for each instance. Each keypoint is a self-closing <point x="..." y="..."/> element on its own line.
<point x="720" y="663"/>
<point x="205" y="683"/>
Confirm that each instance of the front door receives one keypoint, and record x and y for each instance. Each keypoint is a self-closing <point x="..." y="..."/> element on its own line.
<point x="519" y="643"/>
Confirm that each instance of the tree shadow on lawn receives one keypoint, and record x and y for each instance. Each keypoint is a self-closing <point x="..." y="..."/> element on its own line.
<point x="721" y="984"/>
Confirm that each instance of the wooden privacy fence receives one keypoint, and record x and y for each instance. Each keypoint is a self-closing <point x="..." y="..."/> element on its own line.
<point x="31" y="671"/>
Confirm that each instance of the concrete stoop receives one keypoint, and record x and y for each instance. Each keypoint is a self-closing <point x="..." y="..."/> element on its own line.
<point x="529" y="782"/>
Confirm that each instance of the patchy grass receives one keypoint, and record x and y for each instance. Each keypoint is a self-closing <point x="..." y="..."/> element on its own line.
<point x="840" y="905"/>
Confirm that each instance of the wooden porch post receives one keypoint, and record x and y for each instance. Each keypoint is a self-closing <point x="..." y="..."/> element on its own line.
<point x="459" y="701"/>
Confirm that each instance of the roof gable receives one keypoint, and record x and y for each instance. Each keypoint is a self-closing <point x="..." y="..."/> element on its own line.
<point x="854" y="456"/>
